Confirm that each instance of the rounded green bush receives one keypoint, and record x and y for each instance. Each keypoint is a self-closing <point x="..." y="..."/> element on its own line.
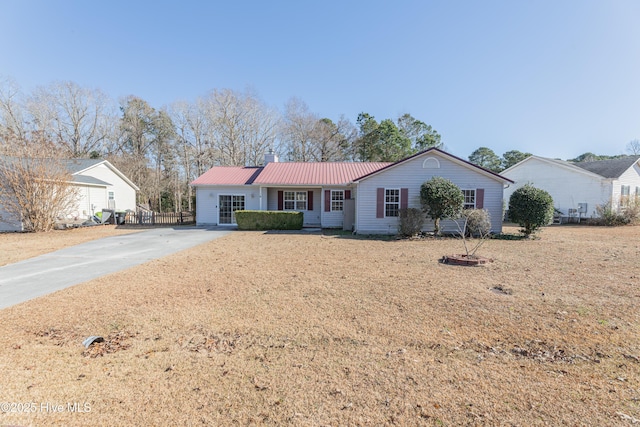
<point x="441" y="199"/>
<point x="530" y="208"/>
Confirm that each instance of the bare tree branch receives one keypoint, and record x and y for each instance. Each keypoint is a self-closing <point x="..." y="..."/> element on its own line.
<point x="35" y="186"/>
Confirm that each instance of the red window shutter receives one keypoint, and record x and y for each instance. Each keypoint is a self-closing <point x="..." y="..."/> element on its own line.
<point x="280" y="200"/>
<point x="380" y="203"/>
<point x="327" y="200"/>
<point x="404" y="198"/>
<point x="310" y="200"/>
<point x="479" y="198"/>
<point x="347" y="194"/>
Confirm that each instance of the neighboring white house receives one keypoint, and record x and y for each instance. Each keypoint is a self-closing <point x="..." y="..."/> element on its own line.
<point x="361" y="196"/>
<point x="578" y="188"/>
<point x="100" y="186"/>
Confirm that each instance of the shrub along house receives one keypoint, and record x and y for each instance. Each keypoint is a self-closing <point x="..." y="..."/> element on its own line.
<point x="364" y="197"/>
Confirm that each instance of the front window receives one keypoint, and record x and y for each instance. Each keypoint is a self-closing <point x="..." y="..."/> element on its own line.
<point x="625" y="190"/>
<point x="469" y="199"/>
<point x="391" y="202"/>
<point x="337" y="200"/>
<point x="295" y="200"/>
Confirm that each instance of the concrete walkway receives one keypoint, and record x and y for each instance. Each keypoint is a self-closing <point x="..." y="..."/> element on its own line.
<point x="51" y="272"/>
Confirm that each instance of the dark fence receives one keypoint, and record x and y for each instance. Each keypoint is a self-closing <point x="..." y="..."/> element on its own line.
<point x="159" y="218"/>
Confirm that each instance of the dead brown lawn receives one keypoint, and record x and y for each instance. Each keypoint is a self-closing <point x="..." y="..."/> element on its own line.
<point x="305" y="329"/>
<point x="16" y="247"/>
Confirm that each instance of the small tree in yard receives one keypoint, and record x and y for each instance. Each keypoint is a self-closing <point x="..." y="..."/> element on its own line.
<point x="34" y="184"/>
<point x="530" y="208"/>
<point x="474" y="223"/>
<point x="440" y="199"/>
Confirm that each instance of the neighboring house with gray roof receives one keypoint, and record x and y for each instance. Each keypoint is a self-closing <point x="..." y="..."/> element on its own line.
<point x="578" y="188"/>
<point x="100" y="186"/>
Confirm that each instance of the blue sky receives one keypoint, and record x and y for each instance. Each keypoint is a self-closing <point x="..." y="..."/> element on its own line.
<point x="554" y="78"/>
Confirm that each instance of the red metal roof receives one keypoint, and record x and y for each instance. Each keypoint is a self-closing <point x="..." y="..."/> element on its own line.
<point x="322" y="173"/>
<point x="228" y="175"/>
<point x="302" y="173"/>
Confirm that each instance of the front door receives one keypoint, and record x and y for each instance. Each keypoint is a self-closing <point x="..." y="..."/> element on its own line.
<point x="228" y="205"/>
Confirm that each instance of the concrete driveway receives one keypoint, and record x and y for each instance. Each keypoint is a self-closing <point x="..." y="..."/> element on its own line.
<point x="51" y="272"/>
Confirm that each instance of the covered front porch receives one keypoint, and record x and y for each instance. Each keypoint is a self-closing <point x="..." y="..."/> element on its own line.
<point x="322" y="207"/>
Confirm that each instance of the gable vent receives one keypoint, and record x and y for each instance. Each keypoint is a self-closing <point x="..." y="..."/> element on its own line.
<point x="431" y="163"/>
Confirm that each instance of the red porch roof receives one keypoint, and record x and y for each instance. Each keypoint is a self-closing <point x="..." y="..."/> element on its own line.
<point x="228" y="175"/>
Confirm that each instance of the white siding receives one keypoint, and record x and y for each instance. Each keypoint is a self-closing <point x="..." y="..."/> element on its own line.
<point x="272" y="198"/>
<point x="97" y="200"/>
<point x="311" y="217"/>
<point x="616" y="193"/>
<point x="567" y="187"/>
<point x="89" y="200"/>
<point x="331" y="219"/>
<point x="631" y="178"/>
<point x="207" y="201"/>
<point x="83" y="205"/>
<point x="125" y="195"/>
<point x="92" y="199"/>
<point x="411" y="175"/>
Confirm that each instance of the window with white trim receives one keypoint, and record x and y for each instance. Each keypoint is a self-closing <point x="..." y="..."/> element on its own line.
<point x="337" y="200"/>
<point x="295" y="200"/>
<point x="391" y="202"/>
<point x="625" y="190"/>
<point x="111" y="202"/>
<point x="469" y="199"/>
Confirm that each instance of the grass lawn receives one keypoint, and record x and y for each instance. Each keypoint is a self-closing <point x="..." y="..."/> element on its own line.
<point x="311" y="329"/>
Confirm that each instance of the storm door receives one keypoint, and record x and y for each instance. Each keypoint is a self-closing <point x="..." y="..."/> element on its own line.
<point x="228" y="205"/>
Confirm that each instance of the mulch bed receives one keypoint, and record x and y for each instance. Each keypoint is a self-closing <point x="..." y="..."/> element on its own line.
<point x="463" y="259"/>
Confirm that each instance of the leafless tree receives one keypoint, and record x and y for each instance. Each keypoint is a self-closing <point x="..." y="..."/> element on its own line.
<point x="40" y="116"/>
<point x="77" y="118"/>
<point x="190" y="122"/>
<point x="162" y="151"/>
<point x="35" y="186"/>
<point x="12" y="111"/>
<point x="260" y="129"/>
<point x="194" y="141"/>
<point x="307" y="137"/>
<point x="243" y="126"/>
<point x="298" y="130"/>
<point x="633" y="147"/>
